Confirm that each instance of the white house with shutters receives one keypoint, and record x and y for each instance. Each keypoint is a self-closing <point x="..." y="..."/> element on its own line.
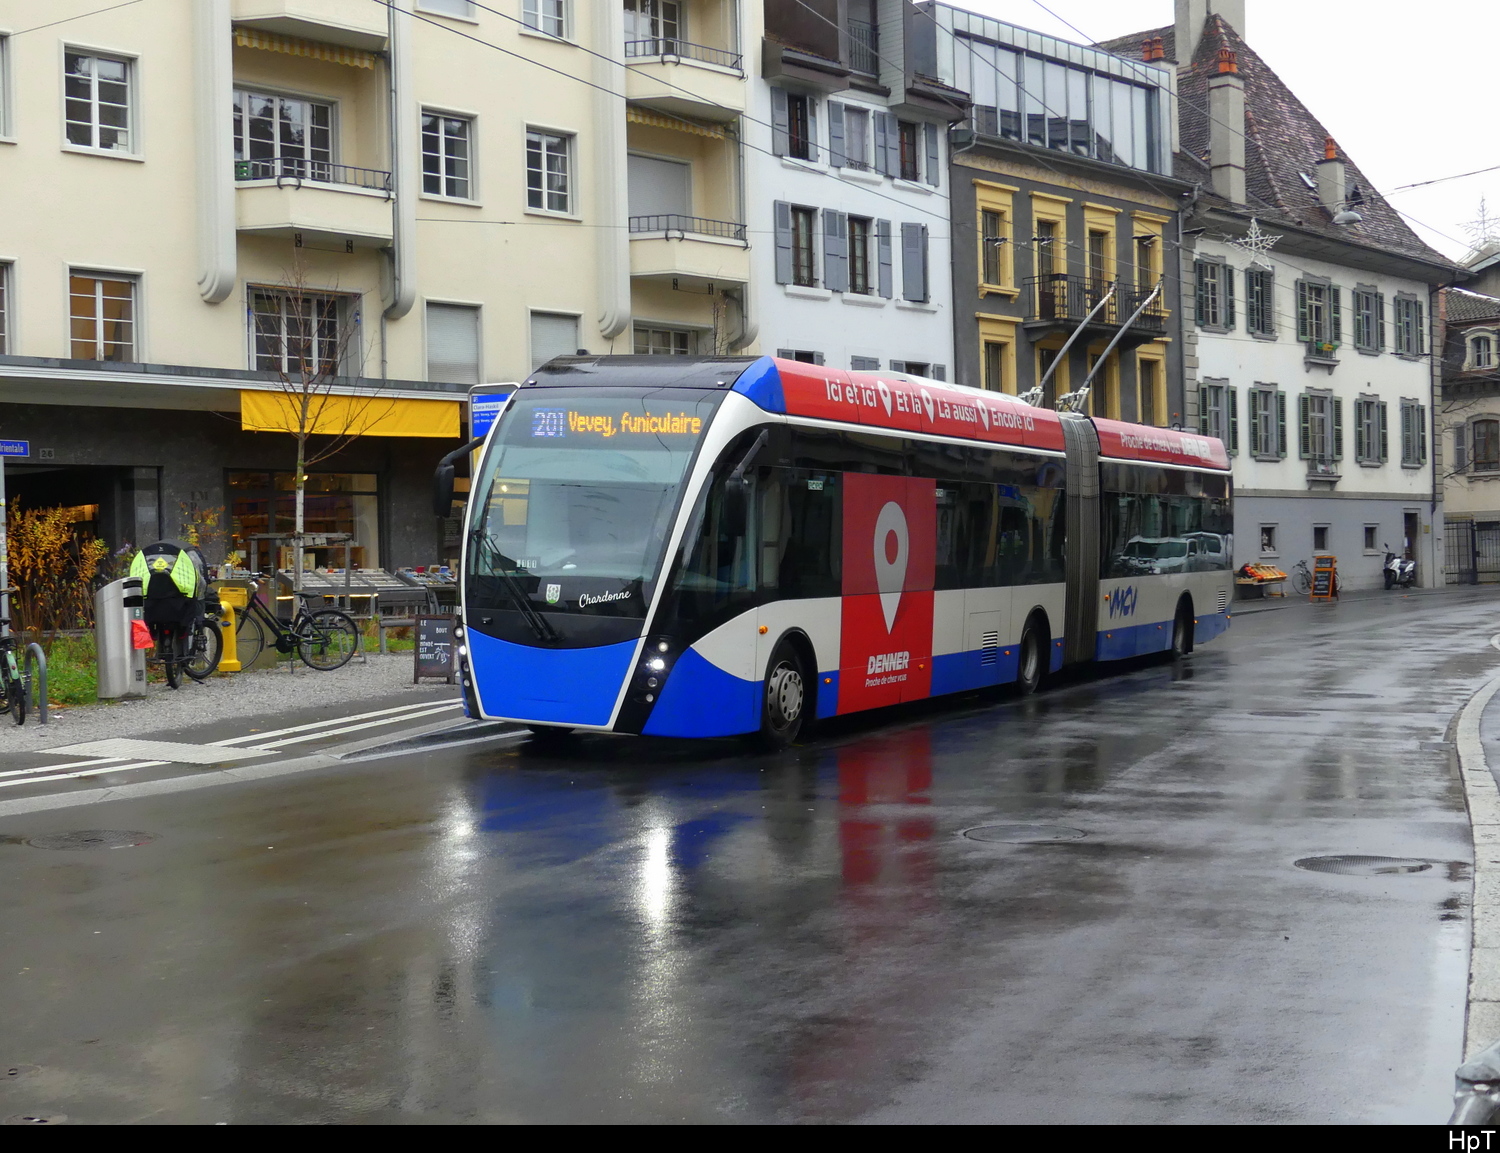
<point x="846" y="188"/>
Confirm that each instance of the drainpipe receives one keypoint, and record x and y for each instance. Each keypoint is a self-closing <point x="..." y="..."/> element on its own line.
<point x="214" y="81"/>
<point x="613" y="246"/>
<point x="403" y="132"/>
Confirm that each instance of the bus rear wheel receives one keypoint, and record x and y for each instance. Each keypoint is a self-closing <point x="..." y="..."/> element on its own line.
<point x="785" y="699"/>
<point x="1182" y="630"/>
<point x="1030" y="666"/>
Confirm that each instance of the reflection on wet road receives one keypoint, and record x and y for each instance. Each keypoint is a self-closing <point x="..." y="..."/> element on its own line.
<point x="649" y="931"/>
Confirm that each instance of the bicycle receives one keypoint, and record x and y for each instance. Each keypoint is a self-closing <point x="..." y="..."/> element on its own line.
<point x="1302" y="579"/>
<point x="325" y="639"/>
<point x="15" y="689"/>
<point x="195" y="651"/>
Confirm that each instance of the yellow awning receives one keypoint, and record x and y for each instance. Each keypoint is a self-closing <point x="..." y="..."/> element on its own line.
<point x="675" y="123"/>
<point x="370" y="415"/>
<point x="316" y="50"/>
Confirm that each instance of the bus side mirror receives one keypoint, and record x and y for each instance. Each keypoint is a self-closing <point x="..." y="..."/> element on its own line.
<point x="736" y="515"/>
<point x="442" y="490"/>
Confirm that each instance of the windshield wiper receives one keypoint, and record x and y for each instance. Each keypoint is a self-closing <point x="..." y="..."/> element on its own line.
<point x="497" y="561"/>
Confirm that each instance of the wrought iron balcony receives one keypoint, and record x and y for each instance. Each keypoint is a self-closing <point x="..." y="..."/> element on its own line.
<point x="864" y="47"/>
<point x="296" y="170"/>
<point x="1320" y="467"/>
<point x="1062" y="297"/>
<point x="1323" y="351"/>
<point x="658" y="46"/>
<point x="670" y="222"/>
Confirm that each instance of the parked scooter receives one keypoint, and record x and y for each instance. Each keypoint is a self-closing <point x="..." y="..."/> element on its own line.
<point x="1399" y="572"/>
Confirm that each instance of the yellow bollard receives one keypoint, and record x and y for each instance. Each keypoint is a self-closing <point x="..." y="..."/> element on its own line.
<point x="233" y="599"/>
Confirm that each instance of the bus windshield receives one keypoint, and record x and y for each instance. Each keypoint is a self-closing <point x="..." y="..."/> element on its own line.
<point x="575" y="503"/>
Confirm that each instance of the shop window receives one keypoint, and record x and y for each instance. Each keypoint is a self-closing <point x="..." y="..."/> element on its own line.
<point x="333" y="502"/>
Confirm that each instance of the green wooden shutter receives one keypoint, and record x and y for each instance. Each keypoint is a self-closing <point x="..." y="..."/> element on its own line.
<point x="1228" y="275"/>
<point x="1232" y="403"/>
<point x="1203" y="410"/>
<point x="1379" y="321"/>
<point x="1202" y="292"/>
<point x="1256" y="399"/>
<point x="1361" y="448"/>
<point x="1336" y="313"/>
<point x="1304" y="332"/>
<point x="1384" y="438"/>
<point x="1419" y="344"/>
<point x="1338" y="428"/>
<point x="1280" y="424"/>
<point x="1421" y="434"/>
<point x="1304" y="420"/>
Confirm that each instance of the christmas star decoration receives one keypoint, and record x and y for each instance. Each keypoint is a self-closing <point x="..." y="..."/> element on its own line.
<point x="1255" y="243"/>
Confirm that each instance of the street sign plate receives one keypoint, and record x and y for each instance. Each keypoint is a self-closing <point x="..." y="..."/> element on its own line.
<point x="484" y="409"/>
<point x="15" y="448"/>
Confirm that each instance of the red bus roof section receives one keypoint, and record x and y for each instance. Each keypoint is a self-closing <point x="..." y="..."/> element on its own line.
<point x="911" y="404"/>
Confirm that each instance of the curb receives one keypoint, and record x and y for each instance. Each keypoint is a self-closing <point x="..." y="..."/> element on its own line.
<point x="1482" y="797"/>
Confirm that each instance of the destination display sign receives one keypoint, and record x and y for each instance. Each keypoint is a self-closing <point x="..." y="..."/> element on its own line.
<point x="1162" y="445"/>
<point x="556" y="423"/>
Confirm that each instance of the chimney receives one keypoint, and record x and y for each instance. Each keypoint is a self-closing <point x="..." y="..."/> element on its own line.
<point x="1226" y="129"/>
<point x="1152" y="49"/>
<point x="1332" y="180"/>
<point x="1191" y="15"/>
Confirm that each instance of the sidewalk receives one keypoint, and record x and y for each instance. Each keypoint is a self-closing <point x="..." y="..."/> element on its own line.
<point x="1250" y="607"/>
<point x="264" y="693"/>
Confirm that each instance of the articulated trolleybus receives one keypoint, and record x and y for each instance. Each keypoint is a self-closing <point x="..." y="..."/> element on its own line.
<point x="707" y="547"/>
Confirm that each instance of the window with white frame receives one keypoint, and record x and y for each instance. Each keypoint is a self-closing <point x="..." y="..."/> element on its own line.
<point x="552" y="334"/>
<point x="446" y="152"/>
<point x="297" y="335"/>
<point x="651" y="340"/>
<point x="453" y="343"/>
<point x="1406" y="312"/>
<point x="861" y="267"/>
<point x="1413" y="433"/>
<point x="857" y="138"/>
<point x="282" y="136"/>
<point x="1480" y="352"/>
<point x="1218" y="413"/>
<point x="1484" y="444"/>
<point x="4" y="308"/>
<point x="1267" y="422"/>
<point x="549" y="16"/>
<point x="96" y="92"/>
<point x="1370" y="430"/>
<point x="549" y="172"/>
<point x="652" y="27"/>
<point x="101" y="315"/>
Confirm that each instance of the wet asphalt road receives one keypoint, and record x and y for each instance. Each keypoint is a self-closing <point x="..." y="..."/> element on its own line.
<point x="648" y="931"/>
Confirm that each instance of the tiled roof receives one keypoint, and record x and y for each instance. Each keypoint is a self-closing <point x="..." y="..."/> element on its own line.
<point x="1283" y="140"/>
<point x="1463" y="305"/>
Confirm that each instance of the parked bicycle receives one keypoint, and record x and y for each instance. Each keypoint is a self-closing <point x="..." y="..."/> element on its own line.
<point x="1302" y="580"/>
<point x="15" y="689"/>
<point x="325" y="639"/>
<point x="195" y="651"/>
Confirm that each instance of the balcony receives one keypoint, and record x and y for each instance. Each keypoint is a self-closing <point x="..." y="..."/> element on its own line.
<point x="864" y="47"/>
<point x="1321" y="352"/>
<point x="314" y="203"/>
<point x="1322" y="471"/>
<point x="1063" y="301"/>
<point x="352" y="23"/>
<point x="690" y="251"/>
<point x="684" y="79"/>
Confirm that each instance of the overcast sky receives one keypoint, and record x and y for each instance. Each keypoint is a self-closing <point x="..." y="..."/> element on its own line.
<point x="1405" y="89"/>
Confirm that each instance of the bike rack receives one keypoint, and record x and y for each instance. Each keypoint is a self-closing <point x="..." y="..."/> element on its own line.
<point x="38" y="686"/>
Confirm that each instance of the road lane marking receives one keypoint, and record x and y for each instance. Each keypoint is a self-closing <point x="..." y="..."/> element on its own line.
<point x="355" y="728"/>
<point x="338" y="720"/>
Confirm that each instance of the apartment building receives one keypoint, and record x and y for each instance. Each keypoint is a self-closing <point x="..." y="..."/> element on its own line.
<point x="1309" y="348"/>
<point x="847" y="189"/>
<point x="1468" y="426"/>
<point x="1064" y="217"/>
<point x="414" y="199"/>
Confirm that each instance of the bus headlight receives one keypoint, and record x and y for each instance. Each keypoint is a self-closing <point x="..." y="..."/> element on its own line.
<point x="656" y="665"/>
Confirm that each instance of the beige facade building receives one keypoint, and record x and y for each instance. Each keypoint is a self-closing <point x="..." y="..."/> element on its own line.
<point x="416" y="198"/>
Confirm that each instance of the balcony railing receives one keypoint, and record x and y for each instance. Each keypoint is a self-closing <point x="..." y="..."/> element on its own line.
<point x="864" y="47"/>
<point x="1065" y="297"/>
<point x="1320" y="467"/>
<point x="671" y="46"/>
<point x="314" y="171"/>
<point x="1323" y="351"/>
<point x="699" y="225"/>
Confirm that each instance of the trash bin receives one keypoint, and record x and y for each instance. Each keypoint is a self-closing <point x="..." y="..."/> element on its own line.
<point x="122" y="666"/>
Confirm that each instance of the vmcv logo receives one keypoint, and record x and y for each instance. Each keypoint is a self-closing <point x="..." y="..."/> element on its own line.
<point x="1122" y="602"/>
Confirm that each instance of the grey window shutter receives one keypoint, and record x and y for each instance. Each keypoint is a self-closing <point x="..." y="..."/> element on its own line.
<point x="1232" y="405"/>
<point x="1336" y="311"/>
<point x="885" y="146"/>
<point x="914" y="262"/>
<point x="1203" y="420"/>
<point x="812" y="129"/>
<point x="1421" y="434"/>
<point x="1280" y="424"/>
<point x="1256" y="400"/>
<point x="1419" y="342"/>
<point x="453" y="343"/>
<point x="817" y="358"/>
<point x="783" y="242"/>
<point x="1304" y="419"/>
<point x="785" y="354"/>
<point x="1384" y="440"/>
<point x="1228" y="278"/>
<point x="836" y="153"/>
<point x="1201" y="279"/>
<point x="1304" y="331"/>
<point x="898" y="366"/>
<point x="835" y="250"/>
<point x="939" y="372"/>
<point x="1361" y="419"/>
<point x="780" y="123"/>
<point x="1338" y="428"/>
<point x="1379" y="320"/>
<point x="883" y="257"/>
<point x="1461" y="447"/>
<point x="934" y="173"/>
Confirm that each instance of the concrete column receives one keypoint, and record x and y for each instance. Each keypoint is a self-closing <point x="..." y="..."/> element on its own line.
<point x="609" y="175"/>
<point x="405" y="162"/>
<point x="214" y="78"/>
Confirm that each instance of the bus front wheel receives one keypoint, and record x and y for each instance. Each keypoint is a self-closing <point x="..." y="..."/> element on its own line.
<point x="1182" y="630"/>
<point x="785" y="699"/>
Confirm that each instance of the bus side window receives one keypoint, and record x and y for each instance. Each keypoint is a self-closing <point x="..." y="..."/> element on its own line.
<point x="809" y="553"/>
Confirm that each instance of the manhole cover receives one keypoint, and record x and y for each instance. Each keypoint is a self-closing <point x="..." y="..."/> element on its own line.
<point x="1355" y="866"/>
<point x="36" y="1119"/>
<point x="91" y="839"/>
<point x="1023" y="834"/>
<point x="11" y="1072"/>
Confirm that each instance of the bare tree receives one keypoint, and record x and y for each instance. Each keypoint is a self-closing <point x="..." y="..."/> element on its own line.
<point x="310" y="340"/>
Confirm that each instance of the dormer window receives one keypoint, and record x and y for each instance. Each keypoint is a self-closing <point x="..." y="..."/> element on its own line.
<point x="1481" y="351"/>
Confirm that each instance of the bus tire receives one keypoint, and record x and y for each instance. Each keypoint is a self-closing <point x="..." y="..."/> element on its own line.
<point x="1031" y="663"/>
<point x="1182" y="629"/>
<point x="785" y="698"/>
